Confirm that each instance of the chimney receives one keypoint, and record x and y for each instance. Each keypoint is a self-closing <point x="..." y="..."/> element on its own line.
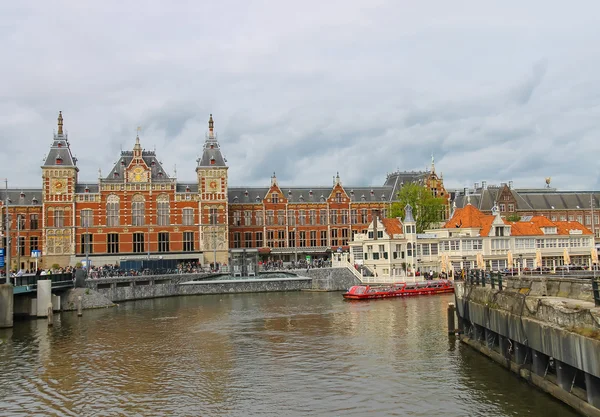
<point x="484" y="184"/>
<point x="510" y="185"/>
<point x="375" y="215"/>
<point x="476" y="186"/>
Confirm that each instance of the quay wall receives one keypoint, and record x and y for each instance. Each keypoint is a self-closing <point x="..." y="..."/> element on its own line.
<point x="546" y="329"/>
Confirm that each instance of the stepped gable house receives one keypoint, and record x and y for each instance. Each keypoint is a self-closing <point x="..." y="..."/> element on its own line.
<point x="139" y="211"/>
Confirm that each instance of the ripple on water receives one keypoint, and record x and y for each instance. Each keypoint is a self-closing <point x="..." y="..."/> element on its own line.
<point x="282" y="354"/>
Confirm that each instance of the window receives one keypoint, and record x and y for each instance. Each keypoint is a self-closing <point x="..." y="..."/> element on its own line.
<point x="21" y="244"/>
<point x="260" y="218"/>
<point x="33" y="221"/>
<point x="112" y="240"/>
<point x="302" y="217"/>
<point x="344" y="216"/>
<point x="188" y="241"/>
<point x="502" y="207"/>
<point x="247" y="218"/>
<point x="313" y="217"/>
<point x="571" y="218"/>
<point x="323" y="238"/>
<point x="188" y="216"/>
<point x="212" y="215"/>
<point x="338" y="197"/>
<point x="313" y="238"/>
<point x="344" y="237"/>
<point x="291" y="218"/>
<point x="455" y="245"/>
<point x="281" y="238"/>
<point x="138" y="242"/>
<point x="237" y="218"/>
<point x="281" y="217"/>
<point x="86" y="243"/>
<point x="409" y="249"/>
<point x="511" y="208"/>
<point x="323" y="217"/>
<point x="237" y="240"/>
<point x="333" y="217"/>
<point x="34" y="243"/>
<point x="163" y="208"/>
<point x="163" y="242"/>
<point x="275" y="198"/>
<point x="434" y="248"/>
<point x="259" y="239"/>
<point x="21" y="221"/>
<point x="292" y="239"/>
<point x="138" y="210"/>
<point x="59" y="218"/>
<point x="524" y="243"/>
<point x="353" y="216"/>
<point x="334" y="237"/>
<point x="425" y="249"/>
<point x="248" y="239"/>
<point x="499" y="231"/>
<point x="588" y="219"/>
<point x="270" y="217"/>
<point x="364" y="216"/>
<point x="580" y="218"/>
<point x="112" y="211"/>
<point x="270" y="238"/>
<point x="87" y="218"/>
<point x="500" y="244"/>
<point x="302" y="239"/>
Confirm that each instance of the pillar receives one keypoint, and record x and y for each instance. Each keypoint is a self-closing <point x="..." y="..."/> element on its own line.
<point x="44" y="297"/>
<point x="55" y="302"/>
<point x="521" y="353"/>
<point x="592" y="387"/>
<point x="540" y="362"/>
<point x="565" y="374"/>
<point x="6" y="305"/>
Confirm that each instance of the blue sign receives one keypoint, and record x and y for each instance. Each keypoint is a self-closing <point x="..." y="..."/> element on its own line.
<point x="1" y="257"/>
<point x="36" y="253"/>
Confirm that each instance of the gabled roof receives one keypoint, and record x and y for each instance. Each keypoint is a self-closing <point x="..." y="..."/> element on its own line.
<point x="308" y="194"/>
<point x="392" y="226"/>
<point x="22" y="197"/>
<point x="157" y="173"/>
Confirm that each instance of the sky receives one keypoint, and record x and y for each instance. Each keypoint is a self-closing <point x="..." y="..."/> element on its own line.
<point x="496" y="90"/>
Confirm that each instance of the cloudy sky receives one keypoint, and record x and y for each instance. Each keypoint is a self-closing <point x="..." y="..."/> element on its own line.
<point x="496" y="90"/>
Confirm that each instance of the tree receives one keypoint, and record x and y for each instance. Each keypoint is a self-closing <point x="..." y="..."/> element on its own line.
<point x="513" y="218"/>
<point x="427" y="209"/>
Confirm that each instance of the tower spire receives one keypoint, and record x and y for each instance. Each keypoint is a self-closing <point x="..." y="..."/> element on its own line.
<point x="432" y="164"/>
<point x="211" y="126"/>
<point x="60" y="123"/>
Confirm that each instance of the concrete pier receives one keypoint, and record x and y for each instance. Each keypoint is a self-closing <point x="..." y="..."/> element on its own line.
<point x="547" y="331"/>
<point x="44" y="297"/>
<point x="6" y="305"/>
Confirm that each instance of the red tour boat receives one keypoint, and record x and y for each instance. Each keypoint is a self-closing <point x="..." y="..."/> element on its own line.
<point x="401" y="289"/>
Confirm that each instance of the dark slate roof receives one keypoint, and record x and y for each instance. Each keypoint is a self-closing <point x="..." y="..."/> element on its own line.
<point x="150" y="160"/>
<point x="308" y="194"/>
<point x="60" y="149"/>
<point x="22" y="196"/>
<point x="528" y="199"/>
<point x="397" y="179"/>
<point x="183" y="187"/>
<point x="211" y="151"/>
<point x="92" y="188"/>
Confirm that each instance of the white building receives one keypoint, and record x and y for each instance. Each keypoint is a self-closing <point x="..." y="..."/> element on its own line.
<point x="472" y="239"/>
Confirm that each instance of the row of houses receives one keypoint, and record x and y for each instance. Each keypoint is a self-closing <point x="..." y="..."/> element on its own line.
<point x="472" y="239"/>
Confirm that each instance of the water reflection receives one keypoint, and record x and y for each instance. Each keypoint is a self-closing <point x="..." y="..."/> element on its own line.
<point x="256" y="354"/>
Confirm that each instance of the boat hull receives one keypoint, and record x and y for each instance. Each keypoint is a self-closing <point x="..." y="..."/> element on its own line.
<point x="362" y="292"/>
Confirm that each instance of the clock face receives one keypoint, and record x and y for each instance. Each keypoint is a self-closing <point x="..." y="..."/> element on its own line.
<point x="137" y="175"/>
<point x="212" y="185"/>
<point x="57" y="186"/>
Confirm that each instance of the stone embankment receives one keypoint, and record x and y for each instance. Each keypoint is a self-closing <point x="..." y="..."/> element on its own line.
<point x="154" y="286"/>
<point x="546" y="329"/>
<point x="89" y="299"/>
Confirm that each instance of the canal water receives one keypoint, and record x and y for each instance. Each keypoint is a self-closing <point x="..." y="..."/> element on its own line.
<point x="268" y="354"/>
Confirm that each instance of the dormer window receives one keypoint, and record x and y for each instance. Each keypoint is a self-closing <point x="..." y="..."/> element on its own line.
<point x="153" y="163"/>
<point x="246" y="193"/>
<point x="87" y="189"/>
<point x="187" y="188"/>
<point x="372" y="193"/>
<point x="363" y="198"/>
<point x="274" y="198"/>
<point x="22" y="195"/>
<point x="257" y="199"/>
<point x="122" y="163"/>
<point x="60" y="144"/>
<point x="59" y="160"/>
<point x="235" y="199"/>
<point x="499" y="231"/>
<point x="160" y="174"/>
<point x="382" y="197"/>
<point x="212" y="161"/>
<point x="550" y="230"/>
<point x="322" y="198"/>
<point x="310" y="193"/>
<point x="212" y="146"/>
<point x="116" y="175"/>
<point x="301" y="198"/>
<point x="34" y="200"/>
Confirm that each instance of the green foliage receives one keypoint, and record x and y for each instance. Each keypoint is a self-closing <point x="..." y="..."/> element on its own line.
<point x="513" y="218"/>
<point x="55" y="267"/>
<point x="78" y="265"/>
<point x="427" y="209"/>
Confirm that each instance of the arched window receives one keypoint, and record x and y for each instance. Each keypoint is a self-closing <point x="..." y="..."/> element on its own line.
<point x="112" y="211"/>
<point x="409" y="249"/>
<point x="188" y="216"/>
<point x="163" y="210"/>
<point x="138" y="209"/>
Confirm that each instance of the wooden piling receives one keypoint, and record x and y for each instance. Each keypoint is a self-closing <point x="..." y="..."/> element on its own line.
<point x="451" y="323"/>
<point x="50" y="315"/>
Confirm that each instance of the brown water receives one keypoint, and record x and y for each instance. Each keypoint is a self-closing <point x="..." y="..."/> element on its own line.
<point x="277" y="354"/>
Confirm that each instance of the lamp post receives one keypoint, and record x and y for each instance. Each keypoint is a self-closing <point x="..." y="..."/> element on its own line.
<point x="87" y="248"/>
<point x="520" y="263"/>
<point x="7" y="233"/>
<point x="148" y="241"/>
<point x="295" y="248"/>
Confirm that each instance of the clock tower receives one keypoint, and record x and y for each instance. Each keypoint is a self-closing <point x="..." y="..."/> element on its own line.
<point x="212" y="188"/>
<point x="59" y="178"/>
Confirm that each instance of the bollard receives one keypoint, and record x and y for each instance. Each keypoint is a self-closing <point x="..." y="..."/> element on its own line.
<point x="483" y="278"/>
<point x="500" y="280"/>
<point x="451" y="325"/>
<point x="492" y="281"/>
<point x="79" y="307"/>
<point x="50" y="316"/>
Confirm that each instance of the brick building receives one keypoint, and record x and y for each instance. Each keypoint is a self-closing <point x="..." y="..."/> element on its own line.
<point x="138" y="211"/>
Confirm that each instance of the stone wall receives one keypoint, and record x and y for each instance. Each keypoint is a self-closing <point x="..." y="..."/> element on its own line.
<point x="89" y="299"/>
<point x="332" y="279"/>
